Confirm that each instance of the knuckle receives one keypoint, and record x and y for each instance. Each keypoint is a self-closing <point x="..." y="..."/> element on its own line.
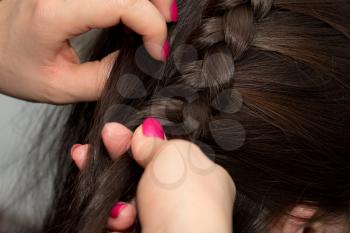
<point x="103" y="71"/>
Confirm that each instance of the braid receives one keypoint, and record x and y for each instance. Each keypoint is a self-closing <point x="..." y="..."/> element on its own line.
<point x="223" y="37"/>
<point x="224" y="52"/>
<point x="261" y="7"/>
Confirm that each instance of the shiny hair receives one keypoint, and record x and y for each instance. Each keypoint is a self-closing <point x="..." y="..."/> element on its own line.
<point x="261" y="86"/>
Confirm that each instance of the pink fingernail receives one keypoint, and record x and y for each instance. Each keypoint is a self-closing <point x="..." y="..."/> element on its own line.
<point x="166" y="50"/>
<point x="74" y="147"/>
<point x="151" y="127"/>
<point x="174" y="11"/>
<point x="117" y="209"/>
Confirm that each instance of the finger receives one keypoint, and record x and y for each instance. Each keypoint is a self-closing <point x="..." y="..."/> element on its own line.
<point x="122" y="216"/>
<point x="149" y="144"/>
<point x="82" y="82"/>
<point x="168" y="8"/>
<point x="117" y="139"/>
<point x="79" y="155"/>
<point x="146" y="140"/>
<point x="140" y="15"/>
<point x="295" y="221"/>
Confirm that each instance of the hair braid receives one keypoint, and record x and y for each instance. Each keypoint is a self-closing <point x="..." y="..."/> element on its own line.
<point x="294" y="146"/>
<point x="225" y="34"/>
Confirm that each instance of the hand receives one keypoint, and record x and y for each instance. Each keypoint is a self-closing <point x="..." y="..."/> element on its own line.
<point x="37" y="62"/>
<point x="181" y="190"/>
<point x="203" y="194"/>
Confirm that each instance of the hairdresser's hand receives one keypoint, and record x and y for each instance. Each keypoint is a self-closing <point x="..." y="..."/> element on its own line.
<point x="117" y="139"/>
<point x="181" y="190"/>
<point x="37" y="62"/>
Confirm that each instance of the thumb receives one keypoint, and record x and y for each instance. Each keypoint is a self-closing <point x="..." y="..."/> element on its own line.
<point x="85" y="82"/>
<point x="147" y="140"/>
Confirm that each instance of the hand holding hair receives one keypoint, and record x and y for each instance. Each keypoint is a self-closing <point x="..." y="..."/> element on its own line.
<point x="156" y="200"/>
<point x="37" y="62"/>
<point x="181" y="190"/>
<point x="268" y="82"/>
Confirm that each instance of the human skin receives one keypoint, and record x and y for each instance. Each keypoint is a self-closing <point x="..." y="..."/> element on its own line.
<point x="202" y="193"/>
<point x="164" y="162"/>
<point x="37" y="62"/>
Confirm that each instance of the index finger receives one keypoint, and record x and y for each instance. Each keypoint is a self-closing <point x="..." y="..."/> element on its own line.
<point x="139" y="15"/>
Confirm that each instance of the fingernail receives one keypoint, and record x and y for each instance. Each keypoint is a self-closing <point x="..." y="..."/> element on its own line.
<point x="117" y="209"/>
<point x="74" y="147"/>
<point x="151" y="127"/>
<point x="166" y="50"/>
<point x="174" y="11"/>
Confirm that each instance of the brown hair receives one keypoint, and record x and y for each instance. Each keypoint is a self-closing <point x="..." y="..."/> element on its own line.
<point x="261" y="86"/>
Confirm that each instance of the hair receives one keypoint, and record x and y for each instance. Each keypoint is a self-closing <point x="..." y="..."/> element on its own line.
<point x="261" y="86"/>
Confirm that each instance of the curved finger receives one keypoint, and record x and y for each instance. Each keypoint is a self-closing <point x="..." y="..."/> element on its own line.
<point x="149" y="144"/>
<point x="72" y="83"/>
<point x="295" y="221"/>
<point x="168" y="8"/>
<point x="79" y="155"/>
<point x="139" y="15"/>
<point x="146" y="140"/>
<point x="122" y="216"/>
<point x="116" y="138"/>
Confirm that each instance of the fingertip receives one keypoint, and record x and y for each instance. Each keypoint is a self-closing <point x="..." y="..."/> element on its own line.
<point x="159" y="51"/>
<point x="156" y="42"/>
<point x="122" y="217"/>
<point x="136" y="146"/>
<point x="303" y="211"/>
<point x="85" y="81"/>
<point x="74" y="147"/>
<point x="151" y="127"/>
<point x="108" y="62"/>
<point x="146" y="140"/>
<point x="117" y="139"/>
<point x="79" y="155"/>
<point x="114" y="130"/>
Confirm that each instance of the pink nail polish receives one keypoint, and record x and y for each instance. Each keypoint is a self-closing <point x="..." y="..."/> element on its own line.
<point x="117" y="209"/>
<point x="166" y="50"/>
<point x="74" y="147"/>
<point x="174" y="15"/>
<point x="151" y="127"/>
